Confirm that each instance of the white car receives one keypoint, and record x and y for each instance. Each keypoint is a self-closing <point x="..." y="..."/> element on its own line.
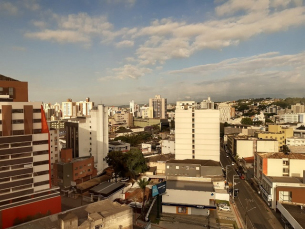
<point x="233" y="163"/>
<point x="224" y="208"/>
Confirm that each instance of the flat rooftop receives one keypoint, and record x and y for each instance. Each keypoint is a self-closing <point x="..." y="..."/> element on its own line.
<point x="285" y="179"/>
<point x="190" y="185"/>
<point x="196" y="162"/>
<point x="279" y="155"/>
<point x="107" y="188"/>
<point x="296" y="212"/>
<point x="160" y="157"/>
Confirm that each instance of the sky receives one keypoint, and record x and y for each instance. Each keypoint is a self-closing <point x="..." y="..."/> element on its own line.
<point x="115" y="51"/>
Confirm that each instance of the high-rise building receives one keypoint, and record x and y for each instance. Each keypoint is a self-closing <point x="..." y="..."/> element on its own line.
<point x="196" y="132"/>
<point x="207" y="104"/>
<point x="225" y="112"/>
<point x="25" y="175"/>
<point x="88" y="136"/>
<point x="13" y="90"/>
<point x="298" y="108"/>
<point x="159" y="106"/>
<point x="68" y="109"/>
<point x="84" y="107"/>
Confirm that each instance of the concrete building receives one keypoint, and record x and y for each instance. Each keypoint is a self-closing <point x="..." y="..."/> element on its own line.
<point x="292" y="214"/>
<point x="278" y="132"/>
<point x="84" y="107"/>
<point x="69" y="109"/>
<point x="283" y="189"/>
<point x="159" y="106"/>
<point x="54" y="148"/>
<point x="167" y="146"/>
<point x="25" y="176"/>
<point x="298" y="108"/>
<point x="196" y="132"/>
<point x="225" y="112"/>
<point x="71" y="169"/>
<point x="103" y="214"/>
<point x="12" y="90"/>
<point x="88" y="136"/>
<point x="289" y="118"/>
<point x="295" y="141"/>
<point x="146" y="112"/>
<point x="278" y="164"/>
<point x="119" y="146"/>
<point x="188" y="198"/>
<point x="159" y="161"/>
<point x="207" y="104"/>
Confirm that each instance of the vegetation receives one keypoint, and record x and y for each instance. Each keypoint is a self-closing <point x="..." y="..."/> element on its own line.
<point x="286" y="150"/>
<point x="246" y="121"/>
<point x="128" y="164"/>
<point x="135" y="139"/>
<point x="142" y="184"/>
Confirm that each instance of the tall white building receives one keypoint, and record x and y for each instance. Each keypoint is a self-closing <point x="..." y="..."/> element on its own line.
<point x="84" y="107"/>
<point x="146" y="112"/>
<point x="196" y="132"/>
<point x="159" y="106"/>
<point x="89" y="136"/>
<point x="68" y="109"/>
<point x="225" y="112"/>
<point x="289" y="118"/>
<point x="207" y="104"/>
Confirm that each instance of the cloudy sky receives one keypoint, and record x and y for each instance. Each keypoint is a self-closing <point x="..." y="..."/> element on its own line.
<point x="114" y="51"/>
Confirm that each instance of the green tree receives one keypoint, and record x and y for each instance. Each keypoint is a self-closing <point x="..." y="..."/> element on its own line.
<point x="286" y="150"/>
<point x="142" y="184"/>
<point x="135" y="162"/>
<point x="246" y="121"/>
<point x="268" y="120"/>
<point x="116" y="160"/>
<point x="257" y="123"/>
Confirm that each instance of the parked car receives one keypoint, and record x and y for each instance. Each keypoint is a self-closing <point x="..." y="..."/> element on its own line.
<point x="233" y="163"/>
<point x="124" y="179"/>
<point x="241" y="176"/>
<point x="224" y="208"/>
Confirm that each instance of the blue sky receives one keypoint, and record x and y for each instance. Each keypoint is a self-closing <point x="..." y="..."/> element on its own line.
<point x="114" y="51"/>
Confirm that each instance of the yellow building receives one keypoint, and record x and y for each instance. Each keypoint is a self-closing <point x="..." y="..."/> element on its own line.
<point x="278" y="133"/>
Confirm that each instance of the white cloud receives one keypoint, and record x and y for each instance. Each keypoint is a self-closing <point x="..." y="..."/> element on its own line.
<point x="129" y="71"/>
<point x="8" y="8"/>
<point x="60" y="36"/>
<point x="125" y="43"/>
<point x="31" y="4"/>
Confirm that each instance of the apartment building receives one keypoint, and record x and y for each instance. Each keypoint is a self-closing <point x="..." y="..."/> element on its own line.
<point x="25" y="175"/>
<point x="207" y="104"/>
<point x="84" y="107"/>
<point x="13" y="90"/>
<point x="278" y="164"/>
<point x="159" y="106"/>
<point x="89" y="136"/>
<point x="196" y="132"/>
<point x="146" y="112"/>
<point x="277" y="132"/>
<point x="298" y="108"/>
<point x="54" y="148"/>
<point x="289" y="118"/>
<point x="225" y="112"/>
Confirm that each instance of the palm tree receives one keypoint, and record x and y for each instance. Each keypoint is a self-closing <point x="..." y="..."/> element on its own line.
<point x="142" y="184"/>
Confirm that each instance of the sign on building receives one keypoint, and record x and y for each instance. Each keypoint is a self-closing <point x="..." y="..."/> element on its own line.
<point x="159" y="189"/>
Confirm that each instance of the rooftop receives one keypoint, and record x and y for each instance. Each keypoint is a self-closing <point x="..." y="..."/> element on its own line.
<point x="296" y="212"/>
<point x="190" y="186"/>
<point x="5" y="78"/>
<point x="117" y="143"/>
<point x="107" y="188"/>
<point x="279" y="155"/>
<point x="285" y="179"/>
<point x="196" y="162"/>
<point x="160" y="157"/>
<point x="97" y="210"/>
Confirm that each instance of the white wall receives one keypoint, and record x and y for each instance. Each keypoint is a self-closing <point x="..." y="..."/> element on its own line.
<point x="296" y="167"/>
<point x="168" y="146"/>
<point x="267" y="146"/>
<point x="274" y="167"/>
<point x="244" y="148"/>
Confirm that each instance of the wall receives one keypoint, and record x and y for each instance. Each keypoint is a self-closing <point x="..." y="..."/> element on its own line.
<point x="267" y="146"/>
<point x="297" y="194"/>
<point x="296" y="167"/>
<point x="168" y="146"/>
<point x="20" y="90"/>
<point x="275" y="167"/>
<point x="9" y="215"/>
<point x="244" y="148"/>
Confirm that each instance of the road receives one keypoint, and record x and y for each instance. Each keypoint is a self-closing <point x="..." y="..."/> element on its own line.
<point x="248" y="202"/>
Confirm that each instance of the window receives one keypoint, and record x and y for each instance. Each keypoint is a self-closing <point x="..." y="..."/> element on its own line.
<point x="197" y="168"/>
<point x="167" y="166"/>
<point x="177" y="167"/>
<point x="285" y="196"/>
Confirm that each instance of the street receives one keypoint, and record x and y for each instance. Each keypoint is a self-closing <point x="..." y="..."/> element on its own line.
<point x="253" y="211"/>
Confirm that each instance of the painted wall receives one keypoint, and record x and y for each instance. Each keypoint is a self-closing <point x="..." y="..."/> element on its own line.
<point x="296" y="167"/>
<point x="244" y="148"/>
<point x="9" y="215"/>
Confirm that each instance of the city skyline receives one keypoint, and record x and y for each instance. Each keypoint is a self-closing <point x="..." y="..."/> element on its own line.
<point x="118" y="51"/>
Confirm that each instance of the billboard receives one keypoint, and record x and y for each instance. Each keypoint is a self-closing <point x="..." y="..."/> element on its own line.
<point x="159" y="189"/>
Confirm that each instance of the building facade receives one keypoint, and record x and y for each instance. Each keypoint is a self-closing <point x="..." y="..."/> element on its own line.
<point x="159" y="106"/>
<point x="13" y="90"/>
<point x="196" y="132"/>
